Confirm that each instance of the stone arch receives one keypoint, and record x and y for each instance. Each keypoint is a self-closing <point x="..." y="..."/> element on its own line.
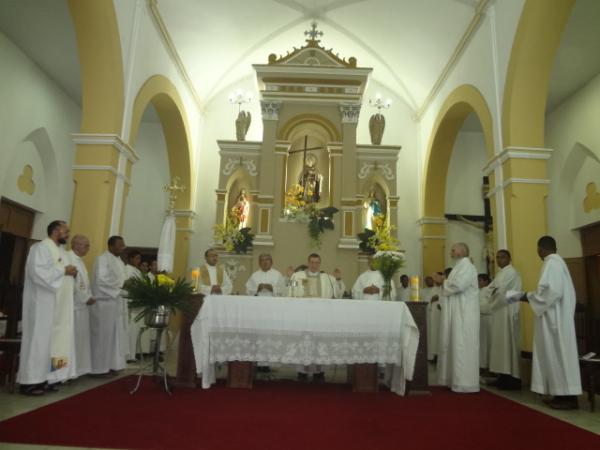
<point x="162" y="94"/>
<point x="286" y="132"/>
<point x="99" y="49"/>
<point x="458" y="105"/>
<point x="529" y="69"/>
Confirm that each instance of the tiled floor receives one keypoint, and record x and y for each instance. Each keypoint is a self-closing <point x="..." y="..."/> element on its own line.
<point x="14" y="404"/>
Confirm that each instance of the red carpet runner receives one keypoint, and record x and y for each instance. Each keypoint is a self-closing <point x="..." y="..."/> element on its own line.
<point x="290" y="416"/>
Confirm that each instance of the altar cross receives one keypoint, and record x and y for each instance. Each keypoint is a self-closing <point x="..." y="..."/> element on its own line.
<point x="313" y="33"/>
<point x="173" y="189"/>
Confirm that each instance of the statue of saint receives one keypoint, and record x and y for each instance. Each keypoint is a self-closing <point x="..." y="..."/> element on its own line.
<point x="310" y="180"/>
<point x="239" y="211"/>
<point x="373" y="207"/>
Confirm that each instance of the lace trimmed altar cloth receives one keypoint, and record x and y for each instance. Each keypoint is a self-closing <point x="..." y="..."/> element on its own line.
<point x="305" y="331"/>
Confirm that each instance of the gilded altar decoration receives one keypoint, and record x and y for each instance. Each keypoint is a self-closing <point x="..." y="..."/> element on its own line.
<point x="299" y="208"/>
<point x="233" y="238"/>
<point x="25" y="181"/>
<point x="592" y="198"/>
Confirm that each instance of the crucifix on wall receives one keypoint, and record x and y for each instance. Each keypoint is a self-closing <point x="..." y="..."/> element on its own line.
<point x="310" y="178"/>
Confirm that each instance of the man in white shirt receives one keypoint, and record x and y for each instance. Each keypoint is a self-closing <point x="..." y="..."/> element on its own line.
<point x="108" y="316"/>
<point x="47" y="337"/>
<point x="83" y="300"/>
<point x="555" y="362"/>
<point x="369" y="284"/>
<point x="134" y="259"/>
<point x="213" y="277"/>
<point x="312" y="283"/>
<point x="266" y="282"/>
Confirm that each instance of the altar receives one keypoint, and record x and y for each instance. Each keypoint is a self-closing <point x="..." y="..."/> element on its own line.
<point x="305" y="331"/>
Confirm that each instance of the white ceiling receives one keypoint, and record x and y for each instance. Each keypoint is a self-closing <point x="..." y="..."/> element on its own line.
<point x="406" y="42"/>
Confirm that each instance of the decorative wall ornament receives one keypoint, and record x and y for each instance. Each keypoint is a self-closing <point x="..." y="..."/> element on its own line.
<point x="592" y="198"/>
<point x="377" y="121"/>
<point x="350" y="112"/>
<point x="367" y="167"/>
<point x="242" y="124"/>
<point x="25" y="181"/>
<point x="248" y="164"/>
<point x="233" y="268"/>
<point x="270" y="110"/>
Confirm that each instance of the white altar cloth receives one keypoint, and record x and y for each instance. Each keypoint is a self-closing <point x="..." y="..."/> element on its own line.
<point x="305" y="331"/>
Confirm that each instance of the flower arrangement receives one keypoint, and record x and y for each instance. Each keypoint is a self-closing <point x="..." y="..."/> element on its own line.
<point x="318" y="219"/>
<point x="388" y="258"/>
<point x="163" y="291"/>
<point x="234" y="239"/>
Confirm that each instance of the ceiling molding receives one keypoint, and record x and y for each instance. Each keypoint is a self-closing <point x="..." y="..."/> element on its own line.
<point x="173" y="53"/>
<point x="458" y="51"/>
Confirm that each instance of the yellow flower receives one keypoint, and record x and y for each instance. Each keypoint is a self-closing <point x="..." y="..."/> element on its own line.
<point x="164" y="280"/>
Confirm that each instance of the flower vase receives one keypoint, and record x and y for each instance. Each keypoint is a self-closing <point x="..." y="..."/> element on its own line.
<point x="386" y="295"/>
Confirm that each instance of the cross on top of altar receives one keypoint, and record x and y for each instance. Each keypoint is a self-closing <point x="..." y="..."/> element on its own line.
<point x="313" y="33"/>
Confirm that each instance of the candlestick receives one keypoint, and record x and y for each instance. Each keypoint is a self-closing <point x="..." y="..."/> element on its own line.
<point x="414" y="289"/>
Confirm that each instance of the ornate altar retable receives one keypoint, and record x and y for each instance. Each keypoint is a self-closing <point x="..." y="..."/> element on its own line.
<point x="305" y="331"/>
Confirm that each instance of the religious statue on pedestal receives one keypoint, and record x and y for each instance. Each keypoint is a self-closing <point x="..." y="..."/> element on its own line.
<point x="373" y="207"/>
<point x="310" y="180"/>
<point x="239" y="211"/>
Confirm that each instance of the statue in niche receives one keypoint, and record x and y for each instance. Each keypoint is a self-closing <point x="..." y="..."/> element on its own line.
<point x="239" y="211"/>
<point x="310" y="180"/>
<point x="373" y="208"/>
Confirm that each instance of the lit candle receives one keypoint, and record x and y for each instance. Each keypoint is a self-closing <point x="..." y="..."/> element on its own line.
<point x="414" y="289"/>
<point x="195" y="277"/>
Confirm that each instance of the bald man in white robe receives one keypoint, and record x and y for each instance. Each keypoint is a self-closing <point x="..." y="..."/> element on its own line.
<point x="458" y="354"/>
<point x="555" y="358"/>
<point x="83" y="300"/>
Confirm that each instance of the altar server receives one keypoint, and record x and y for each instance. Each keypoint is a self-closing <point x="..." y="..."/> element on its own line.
<point x="47" y="332"/>
<point x="505" y="349"/>
<point x="485" y="318"/>
<point x="213" y="277"/>
<point x="266" y="282"/>
<point x="134" y="259"/>
<point x="433" y="320"/>
<point x="403" y="289"/>
<point x="83" y="300"/>
<point x="369" y="284"/>
<point x="108" y="316"/>
<point x="555" y="362"/>
<point x="458" y="354"/>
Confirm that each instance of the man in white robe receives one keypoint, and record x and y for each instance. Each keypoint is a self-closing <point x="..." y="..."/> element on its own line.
<point x="312" y="283"/>
<point x="555" y="357"/>
<point x="505" y="349"/>
<point x="434" y="313"/>
<point x="47" y="319"/>
<point x="108" y="319"/>
<point x="83" y="300"/>
<point x="485" y="317"/>
<point x="369" y="284"/>
<point x="266" y="282"/>
<point x="134" y="259"/>
<point x="403" y="289"/>
<point x="428" y="289"/>
<point x="458" y="354"/>
<point x="213" y="276"/>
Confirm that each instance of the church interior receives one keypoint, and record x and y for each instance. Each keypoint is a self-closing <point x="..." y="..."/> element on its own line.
<point x="303" y="122"/>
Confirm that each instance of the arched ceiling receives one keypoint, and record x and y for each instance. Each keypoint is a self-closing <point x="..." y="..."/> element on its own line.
<point x="407" y="42"/>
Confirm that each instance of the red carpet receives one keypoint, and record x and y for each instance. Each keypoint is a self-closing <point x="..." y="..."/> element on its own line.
<point x="290" y="416"/>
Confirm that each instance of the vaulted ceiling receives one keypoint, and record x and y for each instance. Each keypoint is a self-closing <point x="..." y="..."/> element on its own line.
<point x="406" y="42"/>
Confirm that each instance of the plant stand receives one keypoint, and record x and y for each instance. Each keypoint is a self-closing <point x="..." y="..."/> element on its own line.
<point x="153" y="367"/>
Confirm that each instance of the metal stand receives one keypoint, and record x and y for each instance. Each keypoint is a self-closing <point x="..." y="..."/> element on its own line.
<point x="154" y="367"/>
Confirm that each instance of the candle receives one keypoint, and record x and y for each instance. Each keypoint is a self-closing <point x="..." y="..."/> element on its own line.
<point x="414" y="289"/>
<point x="195" y="277"/>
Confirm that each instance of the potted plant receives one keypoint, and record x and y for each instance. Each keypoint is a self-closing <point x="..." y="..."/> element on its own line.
<point x="157" y="298"/>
